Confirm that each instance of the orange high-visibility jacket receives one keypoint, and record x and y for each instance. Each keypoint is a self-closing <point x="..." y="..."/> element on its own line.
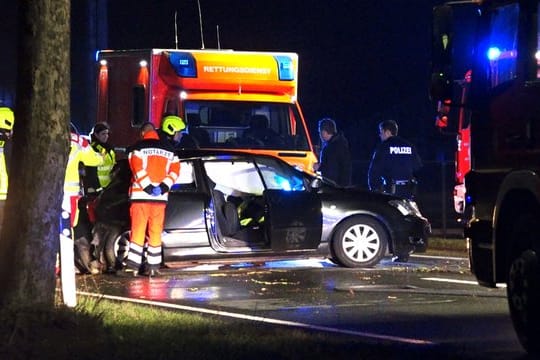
<point x="152" y="162"/>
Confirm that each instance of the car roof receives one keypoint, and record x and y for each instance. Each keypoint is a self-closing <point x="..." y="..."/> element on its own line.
<point x="219" y="153"/>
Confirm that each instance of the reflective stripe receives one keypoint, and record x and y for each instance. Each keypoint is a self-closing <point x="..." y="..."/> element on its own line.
<point x="154" y="255"/>
<point x="135" y="254"/>
<point x="141" y="173"/>
<point x="402" y="182"/>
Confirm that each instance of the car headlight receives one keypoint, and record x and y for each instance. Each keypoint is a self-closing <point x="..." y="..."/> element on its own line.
<point x="406" y="207"/>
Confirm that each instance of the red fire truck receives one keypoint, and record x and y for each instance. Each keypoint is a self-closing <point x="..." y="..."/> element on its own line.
<point x="229" y="99"/>
<point x="462" y="162"/>
<point x="502" y="199"/>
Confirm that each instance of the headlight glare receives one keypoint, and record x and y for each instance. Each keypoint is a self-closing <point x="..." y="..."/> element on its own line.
<point x="406" y="207"/>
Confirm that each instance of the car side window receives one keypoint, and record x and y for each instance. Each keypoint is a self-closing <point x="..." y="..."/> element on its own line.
<point x="186" y="180"/>
<point x="280" y="176"/>
<point x="235" y="177"/>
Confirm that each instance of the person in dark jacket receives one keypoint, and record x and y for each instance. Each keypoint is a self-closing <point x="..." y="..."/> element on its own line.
<point x="335" y="157"/>
<point x="394" y="163"/>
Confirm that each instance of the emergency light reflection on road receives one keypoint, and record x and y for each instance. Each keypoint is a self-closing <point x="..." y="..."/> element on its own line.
<point x="195" y="287"/>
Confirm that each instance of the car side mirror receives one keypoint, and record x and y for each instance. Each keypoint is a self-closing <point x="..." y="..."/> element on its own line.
<point x="316" y="184"/>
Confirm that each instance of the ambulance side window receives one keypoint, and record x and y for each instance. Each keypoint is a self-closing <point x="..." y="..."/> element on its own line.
<point x="139" y="100"/>
<point x="171" y="106"/>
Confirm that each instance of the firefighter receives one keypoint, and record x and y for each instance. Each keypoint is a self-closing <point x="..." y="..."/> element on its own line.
<point x="394" y="163"/>
<point x="80" y="152"/>
<point x="171" y="129"/>
<point x="7" y="119"/>
<point x="154" y="168"/>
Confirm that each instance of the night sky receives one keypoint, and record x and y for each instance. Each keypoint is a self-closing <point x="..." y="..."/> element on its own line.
<point x="361" y="61"/>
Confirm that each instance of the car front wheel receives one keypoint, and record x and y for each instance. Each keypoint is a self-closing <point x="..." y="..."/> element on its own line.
<point x="360" y="241"/>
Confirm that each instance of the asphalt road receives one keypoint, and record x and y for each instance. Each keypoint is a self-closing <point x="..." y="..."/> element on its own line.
<point x="430" y="304"/>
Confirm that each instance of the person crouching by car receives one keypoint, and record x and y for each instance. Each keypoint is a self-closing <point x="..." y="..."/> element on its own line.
<point x="154" y="168"/>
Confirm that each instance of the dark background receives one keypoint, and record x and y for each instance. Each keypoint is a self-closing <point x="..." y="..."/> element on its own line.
<point x="361" y="61"/>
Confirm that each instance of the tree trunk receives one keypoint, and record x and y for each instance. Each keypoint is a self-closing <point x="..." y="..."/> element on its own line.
<point x="29" y="237"/>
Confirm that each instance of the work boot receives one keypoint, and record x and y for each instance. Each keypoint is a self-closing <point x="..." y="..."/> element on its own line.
<point x="151" y="272"/>
<point x="127" y="273"/>
<point x="403" y="258"/>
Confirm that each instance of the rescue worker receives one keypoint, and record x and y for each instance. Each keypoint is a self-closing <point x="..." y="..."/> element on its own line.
<point x="80" y="152"/>
<point x="97" y="177"/>
<point x="394" y="163"/>
<point x="154" y="168"/>
<point x="171" y="128"/>
<point x="7" y="119"/>
<point x="335" y="157"/>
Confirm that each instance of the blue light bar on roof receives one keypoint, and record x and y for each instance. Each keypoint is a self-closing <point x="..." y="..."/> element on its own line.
<point x="285" y="68"/>
<point x="183" y="64"/>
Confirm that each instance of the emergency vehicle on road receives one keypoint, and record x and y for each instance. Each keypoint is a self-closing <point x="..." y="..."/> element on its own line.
<point x="229" y="99"/>
<point x="502" y="199"/>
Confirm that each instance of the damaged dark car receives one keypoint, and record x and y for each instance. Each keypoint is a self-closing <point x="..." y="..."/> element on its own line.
<point x="235" y="205"/>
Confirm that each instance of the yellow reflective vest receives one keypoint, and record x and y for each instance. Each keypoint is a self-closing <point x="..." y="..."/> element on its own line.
<point x="80" y="151"/>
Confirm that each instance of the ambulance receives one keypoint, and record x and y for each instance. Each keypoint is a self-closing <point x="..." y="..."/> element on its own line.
<point x="228" y="99"/>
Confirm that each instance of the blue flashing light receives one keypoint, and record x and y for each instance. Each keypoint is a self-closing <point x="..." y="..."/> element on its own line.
<point x="285" y="68"/>
<point x="283" y="183"/>
<point x="183" y="64"/>
<point x="493" y="53"/>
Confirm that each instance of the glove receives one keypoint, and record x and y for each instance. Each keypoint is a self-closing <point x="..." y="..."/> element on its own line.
<point x="156" y="191"/>
<point x="164" y="188"/>
<point x="149" y="189"/>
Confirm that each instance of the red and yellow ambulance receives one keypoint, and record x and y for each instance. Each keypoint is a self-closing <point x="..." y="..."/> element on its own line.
<point x="228" y="99"/>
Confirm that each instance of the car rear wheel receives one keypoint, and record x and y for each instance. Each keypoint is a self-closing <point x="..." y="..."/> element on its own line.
<point x="523" y="294"/>
<point x="116" y="249"/>
<point x="360" y="241"/>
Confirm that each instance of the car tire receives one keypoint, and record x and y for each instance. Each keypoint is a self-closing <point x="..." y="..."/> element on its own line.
<point x="116" y="247"/>
<point x="523" y="293"/>
<point x="360" y="241"/>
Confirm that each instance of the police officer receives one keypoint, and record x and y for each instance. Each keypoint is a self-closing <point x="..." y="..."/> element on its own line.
<point x="394" y="163"/>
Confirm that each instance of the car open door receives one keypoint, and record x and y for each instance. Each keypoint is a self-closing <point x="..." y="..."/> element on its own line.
<point x="293" y="219"/>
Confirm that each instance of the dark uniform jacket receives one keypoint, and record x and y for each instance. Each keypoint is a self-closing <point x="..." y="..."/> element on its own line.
<point x="335" y="160"/>
<point x="394" y="161"/>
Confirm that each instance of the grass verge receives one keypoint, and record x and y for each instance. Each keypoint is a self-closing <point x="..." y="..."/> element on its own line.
<point x="103" y="329"/>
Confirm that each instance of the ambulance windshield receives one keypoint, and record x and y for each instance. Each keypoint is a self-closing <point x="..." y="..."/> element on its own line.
<point x="245" y="125"/>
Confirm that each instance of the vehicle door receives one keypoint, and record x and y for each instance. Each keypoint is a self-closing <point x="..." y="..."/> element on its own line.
<point x="185" y="208"/>
<point x="293" y="213"/>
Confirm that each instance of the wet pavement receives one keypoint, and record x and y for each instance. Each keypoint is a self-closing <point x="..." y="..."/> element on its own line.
<point x="429" y="301"/>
